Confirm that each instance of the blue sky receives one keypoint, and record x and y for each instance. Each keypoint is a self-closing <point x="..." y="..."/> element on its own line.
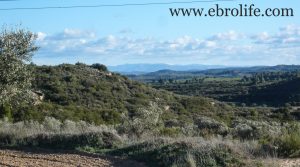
<point x="148" y="34"/>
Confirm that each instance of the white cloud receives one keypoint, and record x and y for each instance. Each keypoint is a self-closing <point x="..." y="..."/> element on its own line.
<point x="229" y="36"/>
<point x="262" y="37"/>
<point x="41" y="36"/>
<point x="230" y="48"/>
<point x="287" y="35"/>
<point x="72" y="34"/>
<point x="290" y="30"/>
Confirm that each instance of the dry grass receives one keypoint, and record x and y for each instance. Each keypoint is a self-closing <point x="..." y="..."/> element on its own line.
<point x="53" y="133"/>
<point x="152" y="149"/>
<point x="194" y="151"/>
<point x="50" y="126"/>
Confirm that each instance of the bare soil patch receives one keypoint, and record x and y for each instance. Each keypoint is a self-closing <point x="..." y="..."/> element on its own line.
<point x="46" y="158"/>
<point x="289" y="162"/>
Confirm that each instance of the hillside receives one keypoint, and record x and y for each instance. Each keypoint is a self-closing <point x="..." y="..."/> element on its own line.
<point x="93" y="94"/>
<point x="236" y="90"/>
<point x="263" y="88"/>
<point x="87" y="108"/>
<point x="232" y="72"/>
<point x="278" y="94"/>
<point x="147" y="68"/>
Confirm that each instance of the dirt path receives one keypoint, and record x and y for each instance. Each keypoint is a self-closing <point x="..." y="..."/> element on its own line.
<point x="26" y="158"/>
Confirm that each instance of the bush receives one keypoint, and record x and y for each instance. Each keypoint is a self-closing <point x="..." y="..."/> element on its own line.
<point x="249" y="129"/>
<point x="289" y="143"/>
<point x="58" y="135"/>
<point x="286" y="144"/>
<point x="186" y="152"/>
<point x="211" y="125"/>
<point x="146" y="120"/>
<point x="5" y="112"/>
<point x="170" y="132"/>
<point x="99" y="140"/>
<point x="99" y="67"/>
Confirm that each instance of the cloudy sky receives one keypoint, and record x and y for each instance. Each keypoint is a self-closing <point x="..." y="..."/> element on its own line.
<point x="148" y="34"/>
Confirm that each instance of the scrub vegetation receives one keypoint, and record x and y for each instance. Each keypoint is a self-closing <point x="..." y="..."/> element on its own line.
<point x="88" y="108"/>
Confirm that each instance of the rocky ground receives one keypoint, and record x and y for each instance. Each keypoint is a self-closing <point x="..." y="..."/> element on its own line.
<point x="28" y="158"/>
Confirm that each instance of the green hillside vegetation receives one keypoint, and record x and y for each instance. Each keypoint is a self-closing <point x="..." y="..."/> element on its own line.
<point x="82" y="92"/>
<point x="275" y="89"/>
<point x="232" y="72"/>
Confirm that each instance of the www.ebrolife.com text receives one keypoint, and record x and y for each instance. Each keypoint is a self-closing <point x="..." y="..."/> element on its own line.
<point x="242" y="10"/>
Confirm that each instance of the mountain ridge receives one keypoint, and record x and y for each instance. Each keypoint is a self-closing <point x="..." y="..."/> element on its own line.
<point x="146" y="68"/>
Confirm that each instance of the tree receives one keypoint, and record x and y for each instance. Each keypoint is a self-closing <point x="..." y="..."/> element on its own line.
<point x="99" y="67"/>
<point x="16" y="50"/>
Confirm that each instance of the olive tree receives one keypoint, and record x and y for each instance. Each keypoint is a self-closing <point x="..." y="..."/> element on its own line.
<point x="16" y="50"/>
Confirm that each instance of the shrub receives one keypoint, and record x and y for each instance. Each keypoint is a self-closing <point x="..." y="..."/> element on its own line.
<point x="249" y="129"/>
<point x="146" y="120"/>
<point x="5" y="112"/>
<point x="59" y="135"/>
<point x="99" y="67"/>
<point x="289" y="143"/>
<point x="170" y="132"/>
<point x="186" y="152"/>
<point x="99" y="140"/>
<point x="286" y="144"/>
<point x="211" y="125"/>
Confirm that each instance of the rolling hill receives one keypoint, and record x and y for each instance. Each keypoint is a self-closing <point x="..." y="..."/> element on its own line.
<point x="93" y="94"/>
<point x="216" y="72"/>
<point x="147" y="68"/>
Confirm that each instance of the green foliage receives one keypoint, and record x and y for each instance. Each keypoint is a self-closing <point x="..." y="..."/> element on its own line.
<point x="170" y="132"/>
<point x="58" y="141"/>
<point x="99" y="67"/>
<point x="289" y="143"/>
<point x="83" y="92"/>
<point x="5" y="112"/>
<point x="183" y="153"/>
<point x="263" y="88"/>
<point x="54" y="134"/>
<point x="16" y="49"/>
<point x="145" y="121"/>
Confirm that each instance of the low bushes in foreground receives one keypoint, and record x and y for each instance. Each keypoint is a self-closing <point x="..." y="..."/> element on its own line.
<point x="192" y="152"/>
<point x="154" y="150"/>
<point x="58" y="135"/>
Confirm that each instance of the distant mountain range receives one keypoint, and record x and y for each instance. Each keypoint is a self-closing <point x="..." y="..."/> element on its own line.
<point x="196" y="69"/>
<point x="147" y="68"/>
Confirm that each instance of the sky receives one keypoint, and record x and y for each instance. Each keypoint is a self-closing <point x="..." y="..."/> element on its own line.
<point x="149" y="34"/>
